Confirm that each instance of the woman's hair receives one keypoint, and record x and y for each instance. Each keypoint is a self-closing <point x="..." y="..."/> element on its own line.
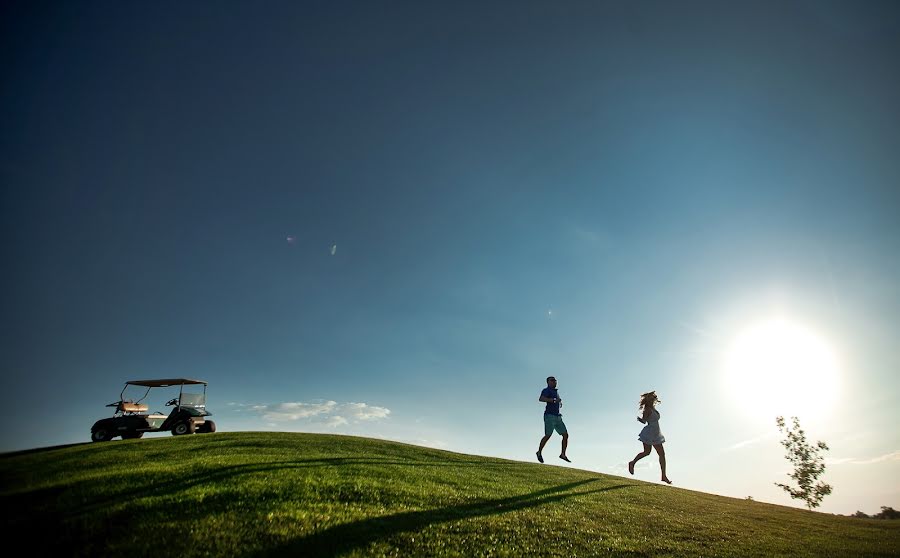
<point x="648" y="399"/>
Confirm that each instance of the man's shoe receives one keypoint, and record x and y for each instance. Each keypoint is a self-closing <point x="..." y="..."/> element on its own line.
<point x="564" y="458"/>
<point x="539" y="456"/>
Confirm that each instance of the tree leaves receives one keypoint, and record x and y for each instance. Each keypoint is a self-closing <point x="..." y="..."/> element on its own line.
<point x="809" y="465"/>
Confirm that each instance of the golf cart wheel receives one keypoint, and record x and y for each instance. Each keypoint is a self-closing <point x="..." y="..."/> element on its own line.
<point x="101" y="435"/>
<point x="206" y="427"/>
<point x="132" y="435"/>
<point x="182" y="428"/>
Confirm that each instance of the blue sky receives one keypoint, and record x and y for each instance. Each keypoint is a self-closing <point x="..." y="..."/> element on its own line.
<point x="396" y="219"/>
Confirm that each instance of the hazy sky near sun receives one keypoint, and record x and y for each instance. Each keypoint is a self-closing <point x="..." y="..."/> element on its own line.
<point x="395" y="219"/>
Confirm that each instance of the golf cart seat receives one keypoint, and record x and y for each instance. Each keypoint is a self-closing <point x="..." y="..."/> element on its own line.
<point x="129" y="407"/>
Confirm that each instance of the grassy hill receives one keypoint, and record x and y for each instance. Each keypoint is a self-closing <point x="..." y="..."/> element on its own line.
<point x="280" y="494"/>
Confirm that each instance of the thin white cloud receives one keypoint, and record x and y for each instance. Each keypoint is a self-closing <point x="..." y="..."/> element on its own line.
<point x="361" y="411"/>
<point x="893" y="456"/>
<point x="750" y="442"/>
<point x="330" y="413"/>
<point x="335" y="421"/>
<point x="590" y="237"/>
<point x="240" y="406"/>
<point x="696" y="329"/>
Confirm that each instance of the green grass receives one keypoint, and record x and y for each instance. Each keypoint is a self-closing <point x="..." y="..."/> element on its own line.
<point x="279" y="494"/>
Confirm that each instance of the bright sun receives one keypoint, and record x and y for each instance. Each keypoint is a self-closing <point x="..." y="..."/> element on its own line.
<point x="777" y="367"/>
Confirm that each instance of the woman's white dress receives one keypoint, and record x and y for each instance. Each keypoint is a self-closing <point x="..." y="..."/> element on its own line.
<point x="651" y="434"/>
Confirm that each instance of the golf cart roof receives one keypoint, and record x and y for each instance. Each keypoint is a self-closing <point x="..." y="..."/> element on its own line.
<point x="164" y="383"/>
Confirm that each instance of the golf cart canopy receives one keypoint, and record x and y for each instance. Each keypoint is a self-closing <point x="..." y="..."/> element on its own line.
<point x="164" y="383"/>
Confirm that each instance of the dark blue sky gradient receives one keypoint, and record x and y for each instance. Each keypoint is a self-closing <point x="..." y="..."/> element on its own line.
<point x="626" y="166"/>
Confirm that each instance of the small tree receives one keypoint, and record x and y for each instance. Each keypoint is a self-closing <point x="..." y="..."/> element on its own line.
<point x="808" y="464"/>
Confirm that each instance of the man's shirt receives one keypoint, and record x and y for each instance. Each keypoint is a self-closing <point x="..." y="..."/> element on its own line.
<point x="552" y="408"/>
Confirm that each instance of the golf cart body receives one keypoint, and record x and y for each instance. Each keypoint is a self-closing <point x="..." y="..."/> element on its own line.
<point x="131" y="418"/>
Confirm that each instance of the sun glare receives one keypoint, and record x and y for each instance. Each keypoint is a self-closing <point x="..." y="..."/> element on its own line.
<point x="778" y="367"/>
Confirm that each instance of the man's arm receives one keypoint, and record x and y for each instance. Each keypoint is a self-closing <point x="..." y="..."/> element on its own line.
<point x="547" y="399"/>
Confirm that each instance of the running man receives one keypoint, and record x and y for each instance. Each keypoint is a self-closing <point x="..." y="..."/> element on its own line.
<point x="552" y="419"/>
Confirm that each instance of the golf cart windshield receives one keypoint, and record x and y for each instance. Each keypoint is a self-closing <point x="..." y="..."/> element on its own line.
<point x="196" y="400"/>
<point x="187" y="399"/>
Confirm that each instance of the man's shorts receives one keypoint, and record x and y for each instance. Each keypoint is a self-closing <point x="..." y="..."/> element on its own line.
<point x="554" y="422"/>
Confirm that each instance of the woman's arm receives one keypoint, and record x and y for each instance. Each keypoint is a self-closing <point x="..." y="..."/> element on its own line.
<point x="647" y="412"/>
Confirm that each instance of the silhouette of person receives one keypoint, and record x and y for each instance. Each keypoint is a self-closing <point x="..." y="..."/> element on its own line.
<point x="552" y="419"/>
<point x="650" y="435"/>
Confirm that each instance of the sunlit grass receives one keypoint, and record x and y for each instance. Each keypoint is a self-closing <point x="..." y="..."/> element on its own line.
<point x="272" y="494"/>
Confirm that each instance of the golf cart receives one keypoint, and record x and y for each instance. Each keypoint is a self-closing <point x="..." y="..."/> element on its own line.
<point x="131" y="419"/>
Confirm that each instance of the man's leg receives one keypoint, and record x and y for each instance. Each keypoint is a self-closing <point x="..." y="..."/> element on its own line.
<point x="548" y="431"/>
<point x="565" y="444"/>
<point x="543" y="443"/>
<point x="561" y="428"/>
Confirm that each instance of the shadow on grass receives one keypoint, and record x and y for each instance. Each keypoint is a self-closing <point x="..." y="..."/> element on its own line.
<point x="90" y="514"/>
<point x="359" y="534"/>
<point x="35" y="502"/>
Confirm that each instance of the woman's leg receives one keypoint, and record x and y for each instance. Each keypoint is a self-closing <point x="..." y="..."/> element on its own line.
<point x="638" y="457"/>
<point x="662" y="462"/>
